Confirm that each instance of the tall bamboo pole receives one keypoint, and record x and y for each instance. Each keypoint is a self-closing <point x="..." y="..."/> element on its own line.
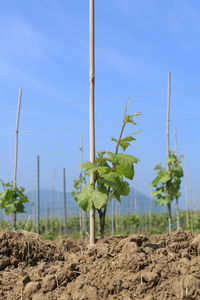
<point x="168" y="114"/>
<point x="17" y="138"/>
<point x="38" y="195"/>
<point x="16" y="149"/>
<point x="92" y="110"/>
<point x="65" y="201"/>
<point x="177" y="204"/>
<point x="168" y="140"/>
<point x="176" y="140"/>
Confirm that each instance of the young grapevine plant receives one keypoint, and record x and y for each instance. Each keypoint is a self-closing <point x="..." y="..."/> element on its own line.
<point x="111" y="169"/>
<point x="78" y="184"/>
<point x="167" y="183"/>
<point x="12" y="200"/>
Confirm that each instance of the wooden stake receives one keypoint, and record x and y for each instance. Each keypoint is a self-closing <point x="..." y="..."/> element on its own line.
<point x="176" y="140"/>
<point x="168" y="140"/>
<point x="177" y="205"/>
<point x="16" y="138"/>
<point x="16" y="150"/>
<point x="92" y="114"/>
<point x="168" y="113"/>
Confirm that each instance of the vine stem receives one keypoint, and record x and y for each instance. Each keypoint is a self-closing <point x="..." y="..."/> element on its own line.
<point x="102" y="213"/>
<point x="123" y="126"/>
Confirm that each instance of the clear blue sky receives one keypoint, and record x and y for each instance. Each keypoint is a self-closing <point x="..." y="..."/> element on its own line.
<point x="44" y="50"/>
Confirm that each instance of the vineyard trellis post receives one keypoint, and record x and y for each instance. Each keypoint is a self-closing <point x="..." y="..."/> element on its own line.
<point x="177" y="204"/>
<point x="168" y="141"/>
<point x="92" y="110"/>
<point x="17" y="145"/>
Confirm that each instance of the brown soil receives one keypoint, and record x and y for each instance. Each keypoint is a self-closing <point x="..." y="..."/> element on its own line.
<point x="119" y="267"/>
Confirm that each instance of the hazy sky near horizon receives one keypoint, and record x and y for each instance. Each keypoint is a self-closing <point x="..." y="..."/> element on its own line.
<point x="44" y="51"/>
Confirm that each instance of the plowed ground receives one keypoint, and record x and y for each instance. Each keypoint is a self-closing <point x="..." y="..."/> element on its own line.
<point x="119" y="267"/>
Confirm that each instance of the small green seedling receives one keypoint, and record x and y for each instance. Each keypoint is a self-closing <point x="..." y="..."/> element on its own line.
<point x="167" y="183"/>
<point x="12" y="200"/>
<point x="111" y="171"/>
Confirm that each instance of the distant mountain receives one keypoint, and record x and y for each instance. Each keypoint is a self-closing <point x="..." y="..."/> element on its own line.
<point x="136" y="202"/>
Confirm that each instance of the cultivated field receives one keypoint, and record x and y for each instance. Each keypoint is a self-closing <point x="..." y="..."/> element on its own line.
<point x="118" y="267"/>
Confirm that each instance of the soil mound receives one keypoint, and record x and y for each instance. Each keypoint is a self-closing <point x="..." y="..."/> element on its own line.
<point x="24" y="246"/>
<point x="118" y="267"/>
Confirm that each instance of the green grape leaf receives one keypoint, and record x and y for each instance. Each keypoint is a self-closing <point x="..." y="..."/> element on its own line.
<point x="10" y="209"/>
<point x="101" y="187"/>
<point x="115" y="140"/>
<point x="156" y="181"/>
<point x="102" y="170"/>
<point x="122" y="143"/>
<point x="156" y="193"/>
<point x="129" y="119"/>
<point x="99" y="199"/>
<point x="4" y="194"/>
<point x="125" y="189"/>
<point x="158" y="167"/>
<point x="87" y="166"/>
<point x="128" y="139"/>
<point x="122" y="159"/>
<point x="128" y="171"/>
<point x="165" y="178"/>
<point x="84" y="198"/>
<point x="111" y="180"/>
<point x="89" y="197"/>
<point x="116" y="195"/>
